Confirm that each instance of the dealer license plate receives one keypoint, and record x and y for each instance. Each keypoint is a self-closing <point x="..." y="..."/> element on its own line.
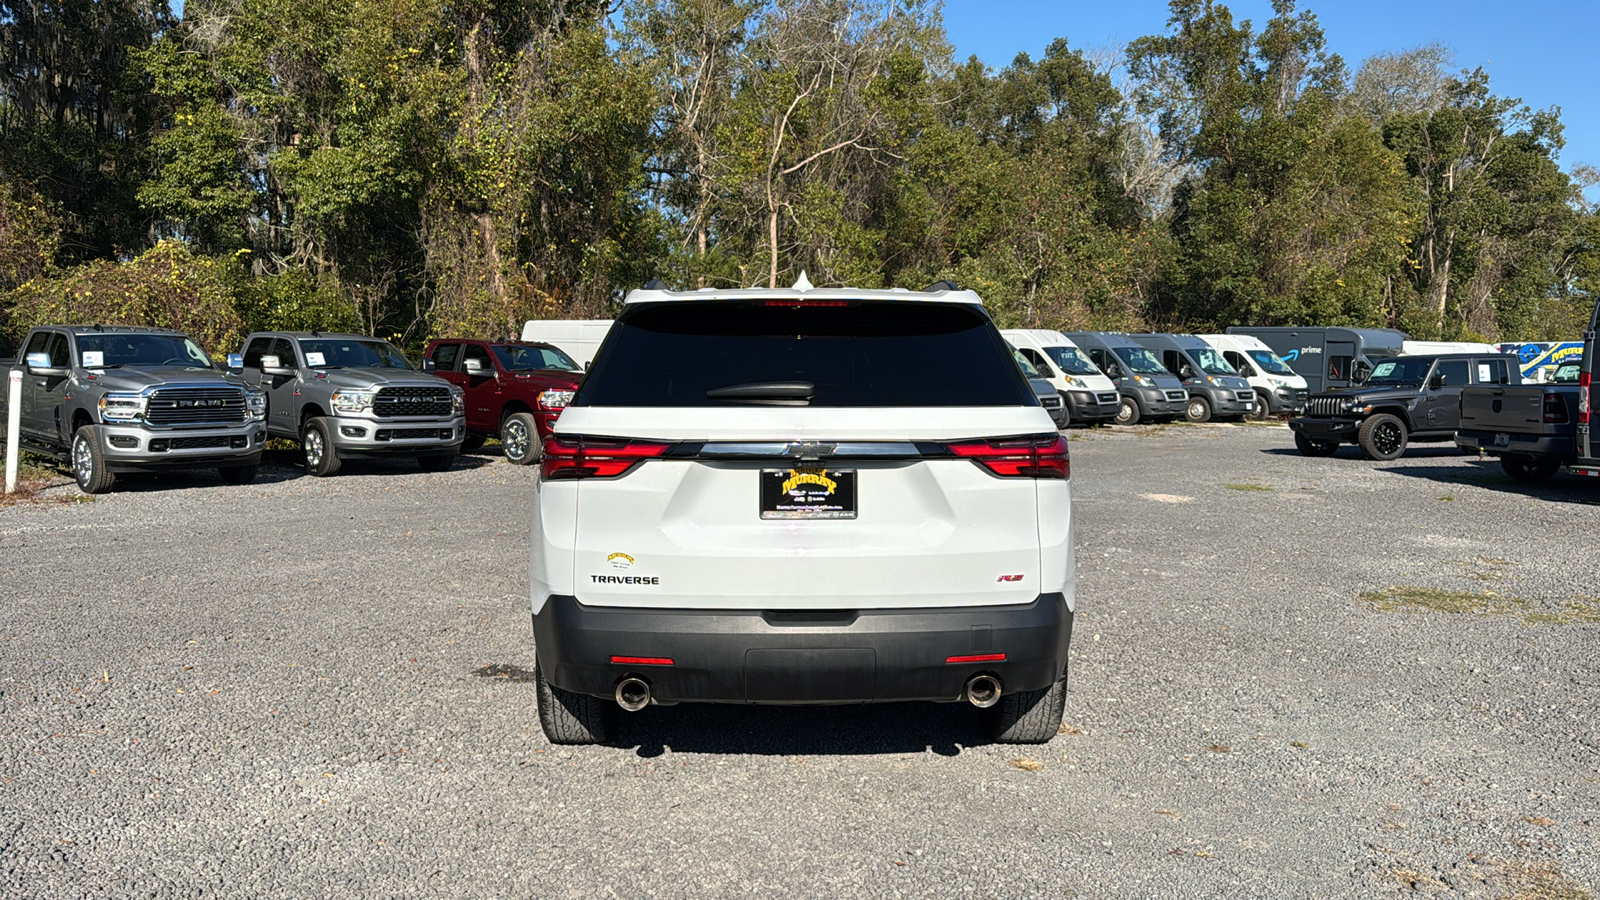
<point x="805" y="492"/>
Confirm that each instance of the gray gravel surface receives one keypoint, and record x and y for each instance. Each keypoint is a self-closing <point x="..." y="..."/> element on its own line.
<point x="321" y="687"/>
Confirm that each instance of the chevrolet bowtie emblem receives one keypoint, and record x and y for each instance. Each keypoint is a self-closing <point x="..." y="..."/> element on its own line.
<point x="810" y="449"/>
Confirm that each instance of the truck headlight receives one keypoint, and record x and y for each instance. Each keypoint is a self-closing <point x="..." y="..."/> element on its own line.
<point x="554" y="399"/>
<point x="352" y="401"/>
<point x="122" y="407"/>
<point x="458" y="402"/>
<point x="256" y="402"/>
<point x="1144" y="381"/>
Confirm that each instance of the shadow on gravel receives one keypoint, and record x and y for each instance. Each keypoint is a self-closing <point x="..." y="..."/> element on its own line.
<point x="1563" y="488"/>
<point x="283" y="465"/>
<point x="942" y="728"/>
<point x="1351" y="451"/>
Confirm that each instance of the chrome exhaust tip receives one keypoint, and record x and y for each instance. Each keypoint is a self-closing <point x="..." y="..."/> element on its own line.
<point x="983" y="691"/>
<point x="633" y="693"/>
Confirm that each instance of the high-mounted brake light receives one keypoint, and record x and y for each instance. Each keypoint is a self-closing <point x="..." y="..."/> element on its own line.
<point x="585" y="457"/>
<point x="797" y="304"/>
<point x="1039" y="456"/>
<point x="1585" y="393"/>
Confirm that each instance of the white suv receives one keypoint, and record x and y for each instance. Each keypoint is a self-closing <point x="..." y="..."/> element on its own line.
<point x="803" y="496"/>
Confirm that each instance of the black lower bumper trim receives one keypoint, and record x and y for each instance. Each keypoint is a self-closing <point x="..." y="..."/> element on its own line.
<point x="745" y="656"/>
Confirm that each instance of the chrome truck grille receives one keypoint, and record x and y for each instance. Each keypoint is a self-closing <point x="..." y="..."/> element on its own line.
<point x="412" y="401"/>
<point x="197" y="406"/>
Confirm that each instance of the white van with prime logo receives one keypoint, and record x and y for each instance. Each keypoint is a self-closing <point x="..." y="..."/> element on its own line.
<point x="1279" y="390"/>
<point x="1089" y="395"/>
<point x="748" y="502"/>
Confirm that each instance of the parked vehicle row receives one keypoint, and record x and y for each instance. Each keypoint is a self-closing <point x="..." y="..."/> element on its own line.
<point x="115" y="399"/>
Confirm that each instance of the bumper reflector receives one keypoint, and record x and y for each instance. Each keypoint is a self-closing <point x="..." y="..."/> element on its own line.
<point x="641" y="661"/>
<point x="977" y="657"/>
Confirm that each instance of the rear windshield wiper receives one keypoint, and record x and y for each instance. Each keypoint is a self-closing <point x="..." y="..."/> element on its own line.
<point x="775" y="393"/>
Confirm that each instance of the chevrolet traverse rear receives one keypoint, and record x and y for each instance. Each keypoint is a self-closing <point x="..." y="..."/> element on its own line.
<point x="770" y="496"/>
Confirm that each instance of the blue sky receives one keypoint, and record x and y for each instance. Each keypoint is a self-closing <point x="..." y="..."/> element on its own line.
<point x="1540" y="50"/>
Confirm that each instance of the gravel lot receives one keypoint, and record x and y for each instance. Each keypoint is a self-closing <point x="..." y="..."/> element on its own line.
<point x="317" y="688"/>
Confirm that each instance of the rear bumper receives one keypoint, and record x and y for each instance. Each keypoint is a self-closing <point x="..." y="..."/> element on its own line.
<point x="796" y="658"/>
<point x="1553" y="447"/>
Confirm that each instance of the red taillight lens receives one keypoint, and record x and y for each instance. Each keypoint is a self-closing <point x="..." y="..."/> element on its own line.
<point x="1554" y="409"/>
<point x="1041" y="456"/>
<point x="579" y="457"/>
<point x="1584" y="397"/>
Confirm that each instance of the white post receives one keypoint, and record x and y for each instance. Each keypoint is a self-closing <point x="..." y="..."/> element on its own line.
<point x="13" y="427"/>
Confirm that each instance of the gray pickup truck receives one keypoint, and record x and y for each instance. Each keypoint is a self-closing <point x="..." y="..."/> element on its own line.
<point x="345" y="395"/>
<point x="110" y="399"/>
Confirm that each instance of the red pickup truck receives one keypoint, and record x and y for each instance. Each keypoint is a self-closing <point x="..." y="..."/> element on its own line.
<point x="515" y="390"/>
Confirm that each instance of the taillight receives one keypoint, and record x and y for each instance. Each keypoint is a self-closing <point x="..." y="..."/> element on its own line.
<point x="1554" y="409"/>
<point x="1039" y="456"/>
<point x="1583" y="397"/>
<point x="584" y="457"/>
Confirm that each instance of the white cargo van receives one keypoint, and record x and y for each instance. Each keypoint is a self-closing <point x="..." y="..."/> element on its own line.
<point x="1278" y="389"/>
<point x="1090" y="396"/>
<point x="1430" y="348"/>
<point x="580" y="338"/>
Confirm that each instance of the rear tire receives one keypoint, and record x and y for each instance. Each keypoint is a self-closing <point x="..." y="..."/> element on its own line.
<point x="1128" y="413"/>
<point x="519" y="439"/>
<point x="1028" y="717"/>
<point x="1308" y="447"/>
<point x="569" y="718"/>
<point x="1382" y="437"/>
<point x="1198" y="410"/>
<point x="1529" y="471"/>
<point x="436" y="463"/>
<point x="89" y="461"/>
<point x="237" y="474"/>
<point x="316" y="441"/>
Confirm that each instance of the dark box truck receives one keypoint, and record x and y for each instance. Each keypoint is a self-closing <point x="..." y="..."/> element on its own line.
<point x="1328" y="358"/>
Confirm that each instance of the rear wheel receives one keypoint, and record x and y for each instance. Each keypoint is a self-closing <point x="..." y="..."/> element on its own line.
<point x="1308" y="447"/>
<point x="569" y="718"/>
<point x="519" y="439"/>
<point x="237" y="474"/>
<point x="89" y="462"/>
<point x="1028" y="717"/>
<point x="436" y="463"/>
<point x="1529" y="471"/>
<point x="316" y="440"/>
<point x="1382" y="437"/>
<point x="1198" y="410"/>
<point x="1128" y="413"/>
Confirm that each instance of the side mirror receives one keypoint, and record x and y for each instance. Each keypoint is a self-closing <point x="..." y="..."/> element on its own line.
<point x="235" y="362"/>
<point x="1437" y="381"/>
<point x="272" y="365"/>
<point x="427" y="365"/>
<point x="39" y="364"/>
<point x="1185" y="373"/>
<point x="473" y="366"/>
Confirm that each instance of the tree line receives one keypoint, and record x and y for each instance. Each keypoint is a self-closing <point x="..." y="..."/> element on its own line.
<point x="415" y="168"/>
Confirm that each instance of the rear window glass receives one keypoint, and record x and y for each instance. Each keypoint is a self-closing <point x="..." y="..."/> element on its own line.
<point x="860" y="353"/>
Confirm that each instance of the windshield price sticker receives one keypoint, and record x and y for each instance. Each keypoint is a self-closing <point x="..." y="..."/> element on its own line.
<point x="808" y="493"/>
<point x="315" y="359"/>
<point x="94" y="359"/>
